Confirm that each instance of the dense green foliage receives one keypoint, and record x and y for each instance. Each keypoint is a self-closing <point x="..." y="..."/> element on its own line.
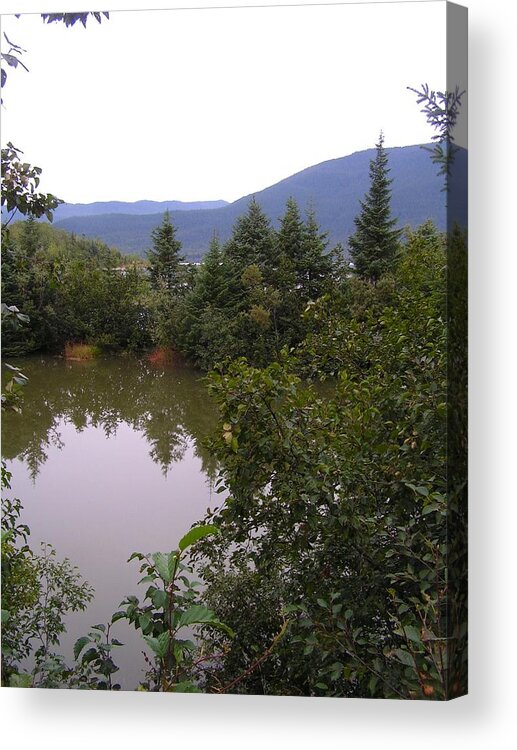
<point x="38" y="591"/>
<point x="246" y="299"/>
<point x="20" y="181"/>
<point x="249" y="295"/>
<point x="173" y="604"/>
<point x="342" y="501"/>
<point x="19" y="580"/>
<point x="71" y="290"/>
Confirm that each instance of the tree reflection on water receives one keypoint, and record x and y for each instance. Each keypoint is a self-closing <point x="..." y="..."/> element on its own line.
<point x="169" y="406"/>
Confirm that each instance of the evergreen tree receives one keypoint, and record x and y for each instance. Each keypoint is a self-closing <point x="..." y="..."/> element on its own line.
<point x="252" y="240"/>
<point x="211" y="286"/>
<point x="30" y="240"/>
<point x="375" y="242"/>
<point x="252" y="243"/>
<point x="291" y="234"/>
<point x="302" y="256"/>
<point x="165" y="258"/>
<point x="315" y="267"/>
<point x="289" y="248"/>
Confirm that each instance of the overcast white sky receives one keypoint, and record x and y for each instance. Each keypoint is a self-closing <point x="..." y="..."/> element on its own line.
<point x="217" y="103"/>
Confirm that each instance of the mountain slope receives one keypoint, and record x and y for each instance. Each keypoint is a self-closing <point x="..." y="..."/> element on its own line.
<point x="334" y="189"/>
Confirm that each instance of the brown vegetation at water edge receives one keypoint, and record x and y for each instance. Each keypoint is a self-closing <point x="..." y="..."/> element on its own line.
<point x="81" y="351"/>
<point x="164" y="356"/>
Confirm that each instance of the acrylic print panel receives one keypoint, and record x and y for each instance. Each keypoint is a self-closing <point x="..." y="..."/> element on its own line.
<point x="234" y="342"/>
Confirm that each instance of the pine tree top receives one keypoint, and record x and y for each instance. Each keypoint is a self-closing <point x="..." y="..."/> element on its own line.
<point x="375" y="242"/>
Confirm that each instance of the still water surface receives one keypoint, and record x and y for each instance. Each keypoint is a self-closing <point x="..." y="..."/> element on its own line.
<point x="107" y="459"/>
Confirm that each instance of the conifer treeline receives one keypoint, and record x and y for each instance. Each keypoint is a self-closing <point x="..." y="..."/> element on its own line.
<point x="247" y="298"/>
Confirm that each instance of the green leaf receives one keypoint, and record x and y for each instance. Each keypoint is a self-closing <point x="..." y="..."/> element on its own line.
<point x="159" y="598"/>
<point x="194" y="615"/>
<point x="147" y="579"/>
<point x="185" y="645"/>
<point x="144" y="621"/>
<point x="430" y="509"/>
<point x="196" y="533"/>
<point x="90" y="655"/>
<point x="80" y="644"/>
<point x="404" y="657"/>
<point x="199" y="615"/>
<point x="412" y="633"/>
<point x="20" y="681"/>
<point x="165" y="565"/>
<point x="372" y="684"/>
<point x="108" y="667"/>
<point x="152" y="642"/>
<point x="158" y="645"/>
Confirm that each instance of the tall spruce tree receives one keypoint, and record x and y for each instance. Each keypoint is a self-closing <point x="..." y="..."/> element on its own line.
<point x="165" y="258"/>
<point x="252" y="244"/>
<point x="290" y="236"/>
<point x="252" y="240"/>
<point x="289" y="248"/>
<point x="303" y="249"/>
<point x="375" y="242"/>
<point x="315" y="269"/>
<point x="211" y="287"/>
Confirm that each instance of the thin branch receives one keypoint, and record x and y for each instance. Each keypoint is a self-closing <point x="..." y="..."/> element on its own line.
<point x="257" y="662"/>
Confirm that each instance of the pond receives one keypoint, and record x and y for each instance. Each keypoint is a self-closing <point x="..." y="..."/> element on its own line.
<point x="108" y="458"/>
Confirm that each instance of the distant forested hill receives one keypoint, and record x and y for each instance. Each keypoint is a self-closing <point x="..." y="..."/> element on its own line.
<point x="140" y="208"/>
<point x="333" y="188"/>
<point x="66" y="210"/>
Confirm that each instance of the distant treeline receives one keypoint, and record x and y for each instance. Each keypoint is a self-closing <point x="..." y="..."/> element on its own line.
<point x="71" y="288"/>
<point x="247" y="298"/>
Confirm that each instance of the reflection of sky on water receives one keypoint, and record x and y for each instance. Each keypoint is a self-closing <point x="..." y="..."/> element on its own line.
<point x="99" y="496"/>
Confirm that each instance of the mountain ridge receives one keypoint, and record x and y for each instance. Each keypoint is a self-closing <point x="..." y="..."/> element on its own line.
<point x="139" y="208"/>
<point x="333" y="189"/>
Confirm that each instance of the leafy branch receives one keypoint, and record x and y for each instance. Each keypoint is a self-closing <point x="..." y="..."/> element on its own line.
<point x="255" y="664"/>
<point x="14" y="53"/>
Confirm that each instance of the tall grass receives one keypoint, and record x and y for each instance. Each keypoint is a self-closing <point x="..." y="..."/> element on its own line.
<point x="81" y="351"/>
